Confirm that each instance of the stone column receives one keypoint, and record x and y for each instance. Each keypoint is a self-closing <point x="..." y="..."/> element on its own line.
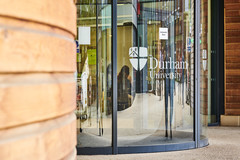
<point x="37" y="86"/>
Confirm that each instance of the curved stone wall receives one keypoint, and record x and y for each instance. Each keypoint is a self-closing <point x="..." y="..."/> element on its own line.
<point x="37" y="86"/>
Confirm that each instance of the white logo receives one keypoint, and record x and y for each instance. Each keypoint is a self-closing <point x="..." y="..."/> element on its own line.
<point x="139" y="58"/>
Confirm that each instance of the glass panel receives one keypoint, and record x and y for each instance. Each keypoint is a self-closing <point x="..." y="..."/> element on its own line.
<point x="205" y="62"/>
<point x="155" y="72"/>
<point x="94" y="106"/>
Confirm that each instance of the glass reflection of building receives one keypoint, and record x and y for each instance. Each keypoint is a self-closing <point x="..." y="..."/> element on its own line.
<point x="156" y="93"/>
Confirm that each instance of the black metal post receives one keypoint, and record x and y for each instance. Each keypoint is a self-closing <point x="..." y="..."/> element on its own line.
<point x="114" y="77"/>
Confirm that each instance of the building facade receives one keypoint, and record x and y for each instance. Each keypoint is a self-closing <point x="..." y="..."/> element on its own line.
<point x="163" y="69"/>
<point x="231" y="68"/>
<point x="151" y="75"/>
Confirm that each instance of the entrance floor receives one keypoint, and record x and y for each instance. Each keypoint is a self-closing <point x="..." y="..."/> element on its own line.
<point x="142" y="124"/>
<point x="223" y="144"/>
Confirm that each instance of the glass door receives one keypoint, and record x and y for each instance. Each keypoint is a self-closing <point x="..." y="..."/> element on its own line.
<point x="142" y="75"/>
<point x="213" y="114"/>
<point x="94" y="76"/>
<point x="155" y="72"/>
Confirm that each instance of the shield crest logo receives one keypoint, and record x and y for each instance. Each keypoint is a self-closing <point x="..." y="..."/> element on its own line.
<point x="138" y="57"/>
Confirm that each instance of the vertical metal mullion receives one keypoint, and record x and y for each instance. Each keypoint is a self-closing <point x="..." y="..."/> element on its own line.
<point x="197" y="6"/>
<point x="97" y="70"/>
<point x="114" y="77"/>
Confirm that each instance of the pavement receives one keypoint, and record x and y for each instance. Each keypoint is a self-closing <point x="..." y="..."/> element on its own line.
<point x="224" y="144"/>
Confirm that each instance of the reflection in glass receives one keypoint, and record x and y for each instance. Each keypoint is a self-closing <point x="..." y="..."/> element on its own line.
<point x="205" y="62"/>
<point x="94" y="96"/>
<point x="155" y="42"/>
<point x="155" y="72"/>
<point x="124" y="89"/>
